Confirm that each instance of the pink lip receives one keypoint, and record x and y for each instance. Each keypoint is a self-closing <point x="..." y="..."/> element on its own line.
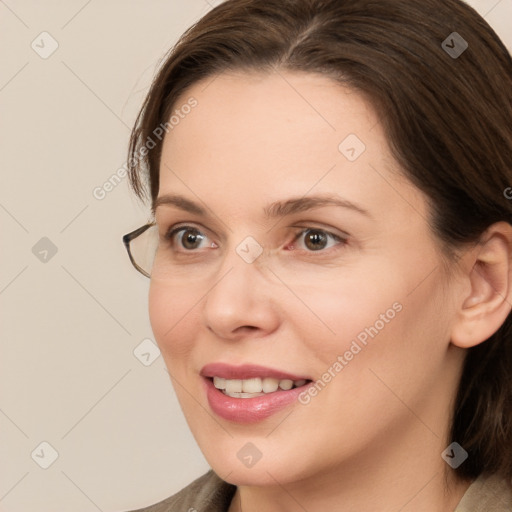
<point x="248" y="410"/>
<point x="246" y="371"/>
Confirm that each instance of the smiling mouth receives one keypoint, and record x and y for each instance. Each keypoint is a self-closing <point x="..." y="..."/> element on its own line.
<point x="254" y="387"/>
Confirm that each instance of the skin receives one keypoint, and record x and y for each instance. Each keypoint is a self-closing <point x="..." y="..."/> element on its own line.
<point x="371" y="439"/>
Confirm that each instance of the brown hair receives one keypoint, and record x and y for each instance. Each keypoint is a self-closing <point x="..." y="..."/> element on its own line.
<point x="448" y="121"/>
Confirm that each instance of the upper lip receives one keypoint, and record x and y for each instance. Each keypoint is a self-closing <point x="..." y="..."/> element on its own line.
<point x="246" y="371"/>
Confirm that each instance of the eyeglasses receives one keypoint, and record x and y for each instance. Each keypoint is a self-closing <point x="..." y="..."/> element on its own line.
<point x="141" y="246"/>
<point x="151" y="254"/>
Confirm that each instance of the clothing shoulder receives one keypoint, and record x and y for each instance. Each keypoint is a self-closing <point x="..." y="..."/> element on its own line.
<point x="488" y="493"/>
<point x="206" y="494"/>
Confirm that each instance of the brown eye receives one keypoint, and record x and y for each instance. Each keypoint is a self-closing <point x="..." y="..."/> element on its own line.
<point x="315" y="240"/>
<point x="191" y="239"/>
<point x="188" y="238"/>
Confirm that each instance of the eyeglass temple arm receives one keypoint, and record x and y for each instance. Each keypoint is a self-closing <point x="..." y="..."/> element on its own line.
<point x="129" y="237"/>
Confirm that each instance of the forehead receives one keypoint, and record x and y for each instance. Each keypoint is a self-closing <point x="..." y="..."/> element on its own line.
<point x="264" y="135"/>
<point x="277" y="114"/>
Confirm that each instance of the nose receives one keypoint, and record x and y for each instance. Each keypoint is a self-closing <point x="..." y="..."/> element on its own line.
<point x="241" y="303"/>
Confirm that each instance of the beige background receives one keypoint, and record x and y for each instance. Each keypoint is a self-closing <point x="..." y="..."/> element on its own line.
<point x="70" y="325"/>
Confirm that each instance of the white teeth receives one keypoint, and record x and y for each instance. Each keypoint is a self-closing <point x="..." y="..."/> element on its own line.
<point x="233" y="386"/>
<point x="257" y="386"/>
<point x="243" y="395"/>
<point x="286" y="384"/>
<point x="270" y="385"/>
<point x="252" y="385"/>
<point x="219" y="382"/>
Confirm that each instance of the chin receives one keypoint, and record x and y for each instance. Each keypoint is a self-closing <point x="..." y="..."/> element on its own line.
<point x="260" y="475"/>
<point x="253" y="460"/>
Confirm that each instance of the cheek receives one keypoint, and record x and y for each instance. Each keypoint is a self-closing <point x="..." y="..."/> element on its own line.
<point x="173" y="313"/>
<point x="391" y="338"/>
<point x="378" y="319"/>
<point x="353" y="306"/>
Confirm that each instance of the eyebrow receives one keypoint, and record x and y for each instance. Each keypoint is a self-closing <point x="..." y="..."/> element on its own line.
<point x="274" y="210"/>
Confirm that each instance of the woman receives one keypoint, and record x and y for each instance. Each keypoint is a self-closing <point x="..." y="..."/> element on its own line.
<point x="331" y="284"/>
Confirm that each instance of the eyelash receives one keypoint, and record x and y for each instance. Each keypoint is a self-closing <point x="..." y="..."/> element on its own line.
<point x="173" y="231"/>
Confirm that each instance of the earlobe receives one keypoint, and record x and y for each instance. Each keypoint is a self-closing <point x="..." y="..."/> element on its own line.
<point x="489" y="301"/>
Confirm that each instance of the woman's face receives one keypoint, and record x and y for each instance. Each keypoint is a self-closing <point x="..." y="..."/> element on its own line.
<point x="301" y="252"/>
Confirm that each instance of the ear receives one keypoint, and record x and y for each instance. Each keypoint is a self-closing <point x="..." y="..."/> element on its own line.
<point x="484" y="309"/>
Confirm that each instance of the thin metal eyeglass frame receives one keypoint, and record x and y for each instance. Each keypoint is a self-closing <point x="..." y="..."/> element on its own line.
<point x="127" y="239"/>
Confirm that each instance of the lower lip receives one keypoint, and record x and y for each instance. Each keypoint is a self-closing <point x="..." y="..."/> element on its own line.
<point x="249" y="410"/>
